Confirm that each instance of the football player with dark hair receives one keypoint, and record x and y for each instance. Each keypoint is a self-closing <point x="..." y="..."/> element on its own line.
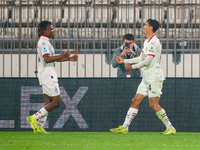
<point x="152" y="81"/>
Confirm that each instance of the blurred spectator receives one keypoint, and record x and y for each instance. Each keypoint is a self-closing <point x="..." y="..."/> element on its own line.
<point x="127" y="51"/>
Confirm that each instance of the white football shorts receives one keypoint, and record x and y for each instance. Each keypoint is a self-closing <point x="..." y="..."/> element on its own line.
<point x="152" y="90"/>
<point x="51" y="89"/>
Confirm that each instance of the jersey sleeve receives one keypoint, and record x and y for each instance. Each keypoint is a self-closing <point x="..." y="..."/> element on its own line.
<point x="44" y="48"/>
<point x="151" y="49"/>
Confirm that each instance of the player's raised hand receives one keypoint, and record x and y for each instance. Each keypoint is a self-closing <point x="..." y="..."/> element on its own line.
<point x="128" y="66"/>
<point x="74" y="57"/>
<point x="119" y="60"/>
<point x="67" y="53"/>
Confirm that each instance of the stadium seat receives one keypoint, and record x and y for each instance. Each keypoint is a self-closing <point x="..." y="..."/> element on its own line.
<point x="161" y="33"/>
<point x="173" y="34"/>
<point x="138" y="32"/>
<point x="180" y="18"/>
<point x="96" y="32"/>
<point x="153" y="13"/>
<point x="64" y="32"/>
<point x="106" y="33"/>
<point x="122" y="32"/>
<point x="156" y="1"/>
<point x="8" y="33"/>
<point x="50" y="13"/>
<point x="180" y="1"/>
<point x="196" y="15"/>
<point x="140" y="1"/>
<point x="101" y="14"/>
<point x="85" y="32"/>
<point x="72" y="15"/>
<point x="115" y="32"/>
<point x="14" y="32"/>
<point x="126" y="13"/>
<point x="27" y="13"/>
<point x="26" y="33"/>
<point x="4" y="14"/>
<point x="192" y="33"/>
<point x="89" y="32"/>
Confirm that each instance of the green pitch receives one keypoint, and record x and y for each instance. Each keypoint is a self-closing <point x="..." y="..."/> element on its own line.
<point x="99" y="141"/>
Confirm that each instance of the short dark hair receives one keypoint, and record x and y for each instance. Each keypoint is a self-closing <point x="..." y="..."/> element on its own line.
<point x="128" y="37"/>
<point x="42" y="27"/>
<point x="154" y="23"/>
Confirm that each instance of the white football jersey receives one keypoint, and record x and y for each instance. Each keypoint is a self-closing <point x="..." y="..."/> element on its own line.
<point x="153" y="71"/>
<point x="46" y="71"/>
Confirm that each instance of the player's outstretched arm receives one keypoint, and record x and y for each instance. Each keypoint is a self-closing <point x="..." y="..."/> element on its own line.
<point x="144" y="63"/>
<point x="135" y="59"/>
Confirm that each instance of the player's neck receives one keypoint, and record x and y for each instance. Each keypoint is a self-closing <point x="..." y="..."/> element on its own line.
<point x="149" y="35"/>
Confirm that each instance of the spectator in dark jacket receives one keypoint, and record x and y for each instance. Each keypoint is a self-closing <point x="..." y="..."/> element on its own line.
<point x="127" y="51"/>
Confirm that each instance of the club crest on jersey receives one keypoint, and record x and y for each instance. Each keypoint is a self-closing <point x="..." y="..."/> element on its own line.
<point x="45" y="50"/>
<point x="151" y="50"/>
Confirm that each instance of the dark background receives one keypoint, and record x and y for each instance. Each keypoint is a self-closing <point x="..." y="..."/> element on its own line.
<point x="106" y="103"/>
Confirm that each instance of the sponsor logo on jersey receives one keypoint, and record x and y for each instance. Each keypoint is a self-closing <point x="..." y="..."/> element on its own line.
<point x="45" y="50"/>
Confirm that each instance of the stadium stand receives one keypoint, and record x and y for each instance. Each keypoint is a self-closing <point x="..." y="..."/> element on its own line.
<point x="156" y="1"/>
<point x="175" y="14"/>
<point x="153" y="12"/>
<point x="75" y="19"/>
<point x="73" y="14"/>
<point x="63" y="32"/>
<point x="161" y="33"/>
<point x="27" y="14"/>
<point x="196" y="15"/>
<point x="101" y="13"/>
<point x="126" y="14"/>
<point x="4" y="14"/>
<point x="180" y="1"/>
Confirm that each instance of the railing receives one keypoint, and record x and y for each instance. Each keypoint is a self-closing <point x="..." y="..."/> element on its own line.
<point x="96" y="29"/>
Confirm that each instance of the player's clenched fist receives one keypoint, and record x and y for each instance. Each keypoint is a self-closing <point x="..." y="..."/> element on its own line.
<point x="67" y="53"/>
<point x="74" y="57"/>
<point x="128" y="66"/>
<point x="119" y="60"/>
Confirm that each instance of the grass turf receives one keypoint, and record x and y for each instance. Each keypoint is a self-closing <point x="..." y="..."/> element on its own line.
<point x="99" y="141"/>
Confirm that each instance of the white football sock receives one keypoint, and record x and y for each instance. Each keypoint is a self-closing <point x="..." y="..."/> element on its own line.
<point x="132" y="112"/>
<point x="41" y="121"/>
<point x="42" y="112"/>
<point x="163" y="117"/>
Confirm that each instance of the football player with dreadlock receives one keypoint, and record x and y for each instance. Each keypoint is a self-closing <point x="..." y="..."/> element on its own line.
<point x="47" y="75"/>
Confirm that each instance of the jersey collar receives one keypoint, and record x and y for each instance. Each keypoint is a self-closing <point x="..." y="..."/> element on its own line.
<point x="151" y="37"/>
<point x="45" y="37"/>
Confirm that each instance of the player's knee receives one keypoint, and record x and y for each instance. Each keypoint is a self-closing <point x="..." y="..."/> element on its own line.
<point x="57" y="103"/>
<point x="135" y="103"/>
<point x="152" y="105"/>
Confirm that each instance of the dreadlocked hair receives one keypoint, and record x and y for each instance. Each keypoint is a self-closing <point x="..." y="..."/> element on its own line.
<point x="42" y="27"/>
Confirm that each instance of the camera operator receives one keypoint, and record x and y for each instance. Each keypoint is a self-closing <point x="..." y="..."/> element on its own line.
<point x="127" y="51"/>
